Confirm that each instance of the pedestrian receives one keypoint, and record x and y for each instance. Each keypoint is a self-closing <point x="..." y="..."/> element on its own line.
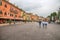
<point x="42" y="23"/>
<point x="39" y="23"/>
<point x="46" y="23"/>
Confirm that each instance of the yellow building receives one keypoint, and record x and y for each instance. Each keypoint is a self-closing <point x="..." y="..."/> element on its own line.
<point x="34" y="17"/>
<point x="41" y="18"/>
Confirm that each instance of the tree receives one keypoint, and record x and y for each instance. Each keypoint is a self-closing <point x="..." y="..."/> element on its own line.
<point x="53" y="15"/>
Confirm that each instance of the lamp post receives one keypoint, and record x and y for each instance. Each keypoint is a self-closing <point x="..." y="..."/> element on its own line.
<point x="14" y="18"/>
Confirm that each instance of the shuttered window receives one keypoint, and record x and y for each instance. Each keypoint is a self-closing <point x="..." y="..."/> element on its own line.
<point x="5" y="13"/>
<point x="0" y="12"/>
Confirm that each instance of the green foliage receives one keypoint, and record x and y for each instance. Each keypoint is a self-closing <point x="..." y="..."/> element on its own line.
<point x="9" y="21"/>
<point x="54" y="14"/>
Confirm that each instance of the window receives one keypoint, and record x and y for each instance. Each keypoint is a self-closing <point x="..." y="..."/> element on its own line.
<point x="11" y="14"/>
<point x="0" y="3"/>
<point x="5" y="13"/>
<point x="8" y="13"/>
<point x="0" y="12"/>
<point x="19" y="16"/>
<point x="5" y="5"/>
<point x="15" y="15"/>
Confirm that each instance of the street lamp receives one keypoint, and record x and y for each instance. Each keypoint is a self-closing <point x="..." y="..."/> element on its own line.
<point x="14" y="18"/>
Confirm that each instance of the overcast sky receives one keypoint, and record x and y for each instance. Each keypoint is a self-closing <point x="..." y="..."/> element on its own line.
<point x="40" y="7"/>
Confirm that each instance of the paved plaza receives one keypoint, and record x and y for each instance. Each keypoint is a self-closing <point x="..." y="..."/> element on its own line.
<point x="30" y="31"/>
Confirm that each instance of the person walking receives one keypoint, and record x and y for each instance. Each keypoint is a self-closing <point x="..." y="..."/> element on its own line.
<point x="46" y="23"/>
<point x="40" y="24"/>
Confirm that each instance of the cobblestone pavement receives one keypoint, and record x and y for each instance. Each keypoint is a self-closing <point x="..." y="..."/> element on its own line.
<point x="30" y="31"/>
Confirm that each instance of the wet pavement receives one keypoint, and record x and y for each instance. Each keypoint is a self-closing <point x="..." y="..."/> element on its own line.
<point x="30" y="31"/>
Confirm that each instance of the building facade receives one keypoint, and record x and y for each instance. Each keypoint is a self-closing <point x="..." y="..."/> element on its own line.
<point x="9" y="11"/>
<point x="34" y="18"/>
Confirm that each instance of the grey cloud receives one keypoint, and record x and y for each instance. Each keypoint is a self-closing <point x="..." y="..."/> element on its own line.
<point x="40" y="7"/>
